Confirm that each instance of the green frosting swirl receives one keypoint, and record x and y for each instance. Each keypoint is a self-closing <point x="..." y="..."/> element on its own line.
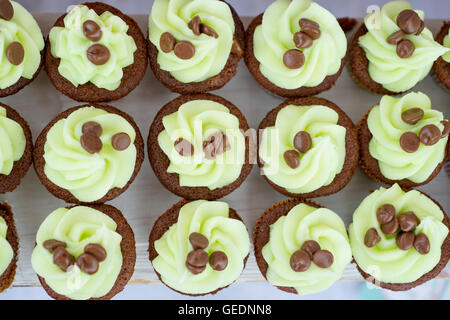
<point x="288" y="234"/>
<point x="12" y="142"/>
<point x="386" y="126"/>
<point x="70" y="45"/>
<point x="385" y="261"/>
<point x="24" y="29"/>
<point x="320" y="164"/>
<point x="275" y="36"/>
<point x="385" y="66"/>
<point x="211" y="219"/>
<point x="211" y="54"/>
<point x="446" y="43"/>
<point x="78" y="227"/>
<point x="6" y="251"/>
<point x="88" y="177"/>
<point x="196" y="121"/>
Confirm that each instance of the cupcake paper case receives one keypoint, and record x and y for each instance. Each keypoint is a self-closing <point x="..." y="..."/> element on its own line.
<point x="441" y="66"/>
<point x="9" y="246"/>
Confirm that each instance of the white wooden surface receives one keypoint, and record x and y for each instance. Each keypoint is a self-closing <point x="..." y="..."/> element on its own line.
<point x="146" y="199"/>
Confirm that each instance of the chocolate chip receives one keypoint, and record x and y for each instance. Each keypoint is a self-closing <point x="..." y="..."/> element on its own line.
<point x="409" y="142"/>
<point x="196" y="261"/>
<point x="194" y="25"/>
<point x="98" y="54"/>
<point x="413" y="115"/>
<point x="93" y="127"/>
<point x="396" y="37"/>
<point x="215" y="145"/>
<point x="405" y="48"/>
<point x="371" y="238"/>
<point x="446" y="129"/>
<point x="236" y="48"/>
<point x="92" y="30"/>
<point x="302" y="141"/>
<point x="408" y="221"/>
<point x="91" y="142"/>
<point x="167" y="42"/>
<point x="294" y="59"/>
<point x="6" y="10"/>
<point x="15" y="53"/>
<point x="62" y="258"/>
<point x="310" y="27"/>
<point x="52" y="244"/>
<point x="323" y="258"/>
<point x="429" y="135"/>
<point x="310" y="247"/>
<point x="421" y="27"/>
<point x="385" y="213"/>
<point x="87" y="263"/>
<point x="184" y="50"/>
<point x="405" y="240"/>
<point x="121" y="141"/>
<point x="292" y="158"/>
<point x="184" y="147"/>
<point x="302" y="40"/>
<point x="422" y="244"/>
<point x="208" y="31"/>
<point x="218" y="260"/>
<point x="391" y="227"/>
<point x="198" y="241"/>
<point x="409" y="21"/>
<point x="300" y="261"/>
<point x="96" y="250"/>
<point x="306" y="22"/>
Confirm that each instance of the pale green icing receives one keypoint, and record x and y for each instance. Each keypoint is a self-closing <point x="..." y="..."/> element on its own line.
<point x="211" y="219"/>
<point x="195" y="121"/>
<point x="70" y="45"/>
<point x="320" y="164"/>
<point x="78" y="227"/>
<point x="275" y="36"/>
<point x="24" y="29"/>
<point x="446" y="43"/>
<point x="385" y="66"/>
<point x="288" y="234"/>
<point x="211" y="54"/>
<point x="386" y="126"/>
<point x="6" y="251"/>
<point x="12" y="142"/>
<point x="385" y="261"/>
<point x="88" y="177"/>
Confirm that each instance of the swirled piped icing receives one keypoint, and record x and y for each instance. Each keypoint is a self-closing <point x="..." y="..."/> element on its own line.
<point x="320" y="164"/>
<point x="12" y="142"/>
<point x="275" y="36"/>
<point x="70" y="45"/>
<point x="385" y="261"/>
<point x="385" y="66"/>
<point x="88" y="177"/>
<point x="6" y="251"/>
<point x="211" y="54"/>
<point x="212" y="220"/>
<point x="78" y="227"/>
<point x="22" y="28"/>
<point x="287" y="235"/>
<point x="386" y="126"/>
<point x="196" y="121"/>
<point x="446" y="43"/>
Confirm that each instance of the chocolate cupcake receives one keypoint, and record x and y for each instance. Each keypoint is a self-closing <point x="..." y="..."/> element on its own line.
<point x="195" y="46"/>
<point x="295" y="48"/>
<point x="441" y="66"/>
<point x="22" y="45"/>
<point x="307" y="147"/>
<point x="393" y="51"/>
<point x="89" y="154"/>
<point x="199" y="247"/>
<point x="399" y="239"/>
<point x="301" y="247"/>
<point x="84" y="253"/>
<point x="198" y="147"/>
<point x="9" y="246"/>
<point x="402" y="140"/>
<point x="95" y="53"/>
<point x="16" y="148"/>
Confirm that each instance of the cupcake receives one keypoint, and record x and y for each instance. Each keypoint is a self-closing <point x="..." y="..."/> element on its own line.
<point x="301" y="247"/>
<point x="194" y="46"/>
<point x="9" y="246"/>
<point x="307" y="147"/>
<point x="84" y="253"/>
<point x="16" y="148"/>
<point x="393" y="51"/>
<point x="199" y="247"/>
<point x="402" y="140"/>
<point x="89" y="154"/>
<point x="198" y="147"/>
<point x="295" y="48"/>
<point x="95" y="53"/>
<point x="399" y="239"/>
<point x="441" y="66"/>
<point x="22" y="44"/>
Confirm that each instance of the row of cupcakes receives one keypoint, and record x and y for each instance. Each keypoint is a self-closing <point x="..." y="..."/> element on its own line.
<point x="95" y="53"/>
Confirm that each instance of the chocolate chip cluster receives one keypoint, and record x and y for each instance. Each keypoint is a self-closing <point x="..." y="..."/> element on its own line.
<point x="88" y="261"/>
<point x="213" y="146"/>
<point x="402" y="225"/>
<point x="98" y="54"/>
<point x="301" y="259"/>
<point x="302" y="143"/>
<point x="15" y="52"/>
<point x="91" y="142"/>
<point x="197" y="259"/>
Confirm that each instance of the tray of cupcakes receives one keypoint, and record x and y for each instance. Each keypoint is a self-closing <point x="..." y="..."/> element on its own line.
<point x="141" y="175"/>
